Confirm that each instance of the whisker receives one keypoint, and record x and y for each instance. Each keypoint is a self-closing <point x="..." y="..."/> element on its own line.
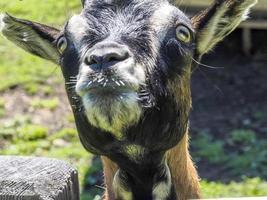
<point x="204" y="65"/>
<point x="122" y="82"/>
<point x="181" y="50"/>
<point x="70" y="83"/>
<point x="211" y="82"/>
<point x="199" y="63"/>
<point x="73" y="87"/>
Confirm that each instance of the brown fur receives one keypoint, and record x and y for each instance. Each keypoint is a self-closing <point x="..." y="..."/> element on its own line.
<point x="184" y="174"/>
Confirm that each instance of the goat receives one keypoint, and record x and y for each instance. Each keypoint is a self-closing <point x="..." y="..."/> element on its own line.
<point x="129" y="63"/>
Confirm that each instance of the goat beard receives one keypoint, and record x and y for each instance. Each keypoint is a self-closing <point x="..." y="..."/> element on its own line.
<point x="113" y="113"/>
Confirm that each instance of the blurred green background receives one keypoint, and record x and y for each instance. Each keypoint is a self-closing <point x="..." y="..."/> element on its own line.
<point x="35" y="119"/>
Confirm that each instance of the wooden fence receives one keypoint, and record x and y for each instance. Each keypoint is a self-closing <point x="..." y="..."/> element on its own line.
<point x="258" y="10"/>
<point x="257" y="20"/>
<point x="29" y="178"/>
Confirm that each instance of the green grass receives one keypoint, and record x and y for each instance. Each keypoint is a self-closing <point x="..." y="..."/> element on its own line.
<point x="247" y="188"/>
<point x="50" y="104"/>
<point x="31" y="132"/>
<point x="209" y="149"/>
<point x="243" y="152"/>
<point x="20" y="68"/>
<point x="20" y="136"/>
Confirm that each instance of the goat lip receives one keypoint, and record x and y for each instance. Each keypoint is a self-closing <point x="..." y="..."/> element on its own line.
<point x="100" y="89"/>
<point x="109" y="89"/>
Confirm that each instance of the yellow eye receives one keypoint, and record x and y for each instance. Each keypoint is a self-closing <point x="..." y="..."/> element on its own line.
<point x="183" y="34"/>
<point x="62" y="44"/>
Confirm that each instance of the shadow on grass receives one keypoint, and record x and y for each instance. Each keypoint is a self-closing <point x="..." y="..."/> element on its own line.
<point x="93" y="181"/>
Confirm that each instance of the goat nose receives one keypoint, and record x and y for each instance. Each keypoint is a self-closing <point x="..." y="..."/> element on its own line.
<point x="109" y="57"/>
<point x="105" y="57"/>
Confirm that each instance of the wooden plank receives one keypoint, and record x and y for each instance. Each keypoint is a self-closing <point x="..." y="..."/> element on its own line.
<point x="258" y="21"/>
<point x="260" y="6"/>
<point x="194" y="3"/>
<point x="27" y="178"/>
<point x="244" y="198"/>
<point x="254" y="24"/>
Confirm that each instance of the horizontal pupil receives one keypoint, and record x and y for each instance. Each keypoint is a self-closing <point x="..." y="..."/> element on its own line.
<point x="61" y="45"/>
<point x="184" y="33"/>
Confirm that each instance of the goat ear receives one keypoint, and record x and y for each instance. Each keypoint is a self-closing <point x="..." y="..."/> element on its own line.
<point x="33" y="37"/>
<point x="219" y="20"/>
<point x="85" y="3"/>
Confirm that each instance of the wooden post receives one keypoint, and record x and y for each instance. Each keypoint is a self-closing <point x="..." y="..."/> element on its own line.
<point x="246" y="41"/>
<point x="27" y="178"/>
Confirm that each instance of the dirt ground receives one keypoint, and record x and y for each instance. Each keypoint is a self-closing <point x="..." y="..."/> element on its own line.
<point x="232" y="97"/>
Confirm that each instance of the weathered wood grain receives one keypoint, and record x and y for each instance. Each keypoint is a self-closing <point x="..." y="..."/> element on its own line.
<point x="27" y="178"/>
<point x="260" y="6"/>
<point x="244" y="198"/>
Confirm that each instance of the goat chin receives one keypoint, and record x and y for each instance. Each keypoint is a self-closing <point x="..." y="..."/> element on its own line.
<point x="112" y="114"/>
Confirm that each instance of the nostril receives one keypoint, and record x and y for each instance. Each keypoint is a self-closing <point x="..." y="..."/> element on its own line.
<point x="116" y="57"/>
<point x="93" y="59"/>
<point x="112" y="58"/>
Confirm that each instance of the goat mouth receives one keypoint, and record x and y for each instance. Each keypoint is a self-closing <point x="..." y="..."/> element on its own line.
<point x="108" y="91"/>
<point x="104" y="87"/>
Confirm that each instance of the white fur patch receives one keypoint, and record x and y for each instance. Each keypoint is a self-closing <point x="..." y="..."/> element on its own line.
<point x="162" y="190"/>
<point x="77" y="26"/>
<point x="120" y="191"/>
<point x="247" y="10"/>
<point x="2" y="23"/>
<point x="132" y="73"/>
<point x="246" y="14"/>
<point x="161" y="19"/>
<point x="113" y="113"/>
<point x="134" y="152"/>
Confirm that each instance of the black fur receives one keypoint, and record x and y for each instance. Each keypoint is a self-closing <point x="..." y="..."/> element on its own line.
<point x="170" y="63"/>
<point x="160" y="127"/>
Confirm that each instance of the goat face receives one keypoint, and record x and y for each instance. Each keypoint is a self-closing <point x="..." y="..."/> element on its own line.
<point x="127" y="68"/>
<point x="127" y="65"/>
<point x="124" y="54"/>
